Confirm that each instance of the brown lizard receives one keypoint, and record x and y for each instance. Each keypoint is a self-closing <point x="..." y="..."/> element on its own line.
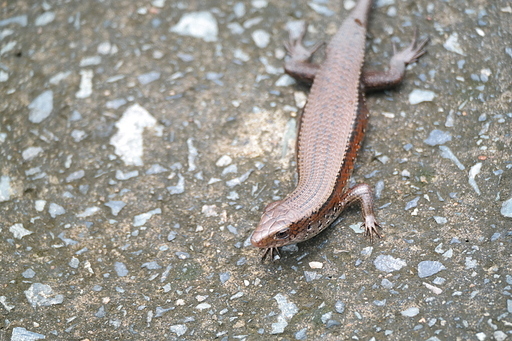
<point x="332" y="128"/>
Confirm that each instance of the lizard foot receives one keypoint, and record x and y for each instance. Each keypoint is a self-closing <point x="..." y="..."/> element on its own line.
<point x="370" y="227"/>
<point x="413" y="52"/>
<point x="296" y="49"/>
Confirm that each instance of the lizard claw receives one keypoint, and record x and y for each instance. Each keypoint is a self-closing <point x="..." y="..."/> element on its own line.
<point x="296" y="49"/>
<point x="370" y="227"/>
<point x="413" y="52"/>
<point x="269" y="253"/>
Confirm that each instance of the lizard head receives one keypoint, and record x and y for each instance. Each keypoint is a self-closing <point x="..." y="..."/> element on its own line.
<point x="274" y="229"/>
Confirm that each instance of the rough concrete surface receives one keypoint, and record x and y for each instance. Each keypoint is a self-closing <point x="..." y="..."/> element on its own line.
<point x="141" y="140"/>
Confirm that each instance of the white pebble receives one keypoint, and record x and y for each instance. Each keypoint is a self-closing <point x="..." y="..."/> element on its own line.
<point x="41" y="107"/>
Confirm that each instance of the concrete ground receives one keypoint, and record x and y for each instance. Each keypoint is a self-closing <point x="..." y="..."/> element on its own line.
<point x="141" y="140"/>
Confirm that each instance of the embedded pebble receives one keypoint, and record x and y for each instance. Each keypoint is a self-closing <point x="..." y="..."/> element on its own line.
<point x="473" y="172"/>
<point x="59" y="77"/>
<point x="448" y="154"/>
<point x="203" y="306"/>
<point x="56" y="210"/>
<point x="159" y="311"/>
<point x="428" y="268"/>
<point x="440" y="220"/>
<point x="158" y="3"/>
<point x="232" y="229"/>
<point x="412" y="203"/>
<point x="156" y="169"/>
<point x="418" y="96"/>
<point x="39" y="205"/>
<point x="89" y="211"/>
<point x="439" y="281"/>
<point x="151" y="265"/>
<point x="127" y="141"/>
<point x="5" y="188"/>
<point x="115" y="103"/>
<point x="8" y="47"/>
<point x="244" y="57"/>
<point x="90" y="61"/>
<point x="316" y="265"/>
<point x="85" y="89"/>
<point x="74" y="262"/>
<point x="470" y="263"/>
<point x="357" y="227"/>
<point x="75" y="175"/>
<point x="101" y="312"/>
<point x="29" y="273"/>
<point x="120" y="175"/>
<point x="42" y="295"/>
<point x="224" y="277"/>
<point x="288" y="310"/>
<point x="380" y="303"/>
<point x="78" y="135"/>
<point x="506" y="207"/>
<point x="326" y="317"/>
<point x="115" y="206"/>
<point x="149" y="77"/>
<point x="452" y="44"/>
<point x="215" y="77"/>
<point x="239" y="9"/>
<point x="438" y="137"/>
<point x="284" y="81"/>
<point x="209" y="210"/>
<point x="339" y="306"/>
<point x="141" y="219"/>
<point x="41" y="107"/>
<point x="233" y="196"/>
<point x="432" y="288"/>
<point x="301" y="334"/>
<point x="388" y="263"/>
<point x="237" y="295"/>
<point x="198" y="25"/>
<point x="4" y="76"/>
<point x="237" y="181"/>
<point x="19" y="231"/>
<point x="311" y="276"/>
<point x="120" y="269"/>
<point x="31" y="152"/>
<point x="321" y="9"/>
<point x="499" y="335"/>
<point x="182" y="255"/>
<point x="261" y="38"/>
<point x="179" y="187"/>
<point x="106" y="48"/>
<point x="67" y="241"/>
<point x="192" y="155"/>
<point x="410" y="312"/>
<point x="230" y="169"/>
<point x="179" y="329"/>
<point x="171" y="236"/>
<point x="386" y="283"/>
<point x="20" y="20"/>
<point x="22" y="334"/>
<point x="44" y="19"/>
<point x="224" y="161"/>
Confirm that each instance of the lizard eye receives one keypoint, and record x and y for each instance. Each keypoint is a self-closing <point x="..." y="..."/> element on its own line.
<point x="282" y="234"/>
